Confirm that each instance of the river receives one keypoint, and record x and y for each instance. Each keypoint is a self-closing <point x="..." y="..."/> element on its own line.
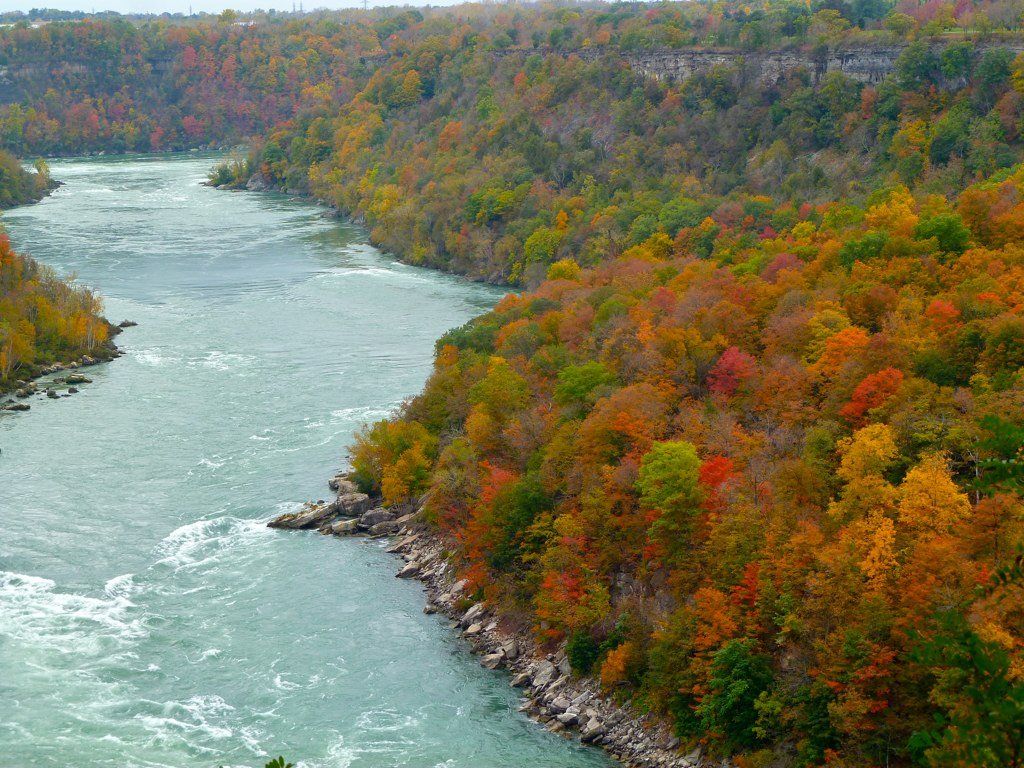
<point x="147" y="615"/>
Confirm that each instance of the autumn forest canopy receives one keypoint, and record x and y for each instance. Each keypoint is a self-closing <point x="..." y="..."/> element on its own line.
<point x="749" y="441"/>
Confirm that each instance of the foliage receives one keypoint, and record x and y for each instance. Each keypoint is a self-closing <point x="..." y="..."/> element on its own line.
<point x="739" y="677"/>
<point x="741" y="451"/>
<point x="43" y="319"/>
<point x="756" y="419"/>
<point x="980" y="698"/>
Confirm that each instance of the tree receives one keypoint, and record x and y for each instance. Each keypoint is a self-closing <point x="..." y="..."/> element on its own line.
<point x="981" y="700"/>
<point x="929" y="500"/>
<point x="733" y="369"/>
<point x="669" y="484"/>
<point x="739" y="676"/>
<point x="580" y="385"/>
<point x="871" y="393"/>
<point x="949" y="231"/>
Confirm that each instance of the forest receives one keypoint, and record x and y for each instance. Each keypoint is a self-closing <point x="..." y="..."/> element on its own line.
<point x="749" y="441"/>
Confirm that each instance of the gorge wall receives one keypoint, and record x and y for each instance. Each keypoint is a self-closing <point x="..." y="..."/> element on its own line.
<point x="866" y="64"/>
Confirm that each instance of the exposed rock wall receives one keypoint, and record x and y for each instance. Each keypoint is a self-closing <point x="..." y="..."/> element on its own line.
<point x="866" y="64"/>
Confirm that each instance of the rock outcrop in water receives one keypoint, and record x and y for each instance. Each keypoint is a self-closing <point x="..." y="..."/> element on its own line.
<point x="552" y="695"/>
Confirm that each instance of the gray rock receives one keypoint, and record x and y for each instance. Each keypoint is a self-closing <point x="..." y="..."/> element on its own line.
<point x="473" y="629"/>
<point x="369" y="519"/>
<point x="510" y="648"/>
<point x="310" y="516"/>
<point x="564" y="666"/>
<point x="561" y="703"/>
<point x="343" y="485"/>
<point x="543" y="674"/>
<point x="518" y="681"/>
<point x="474" y="612"/>
<point x="493" y="660"/>
<point x="386" y="528"/>
<point x="344" y="527"/>
<point x="352" y="504"/>
<point x="257" y="183"/>
<point x="592" y="730"/>
<point x="410" y="570"/>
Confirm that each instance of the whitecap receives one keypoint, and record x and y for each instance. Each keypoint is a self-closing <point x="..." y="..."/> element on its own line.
<point x="153" y="358"/>
<point x="385" y="721"/>
<point x="223" y="361"/>
<point x="121" y="586"/>
<point x="35" y="613"/>
<point x="284" y="685"/>
<point x="203" y="541"/>
<point x="365" y="413"/>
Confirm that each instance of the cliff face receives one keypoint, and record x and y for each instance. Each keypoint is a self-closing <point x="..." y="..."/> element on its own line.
<point x="866" y="64"/>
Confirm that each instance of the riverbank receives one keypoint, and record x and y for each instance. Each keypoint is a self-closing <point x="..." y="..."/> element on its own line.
<point x="71" y="313"/>
<point x="15" y="393"/>
<point x="553" y="696"/>
<point x="257" y="182"/>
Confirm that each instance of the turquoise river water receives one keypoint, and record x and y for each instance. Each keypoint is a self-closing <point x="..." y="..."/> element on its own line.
<point x="147" y="615"/>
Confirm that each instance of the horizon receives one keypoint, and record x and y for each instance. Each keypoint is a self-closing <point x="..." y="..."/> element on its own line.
<point x="191" y="7"/>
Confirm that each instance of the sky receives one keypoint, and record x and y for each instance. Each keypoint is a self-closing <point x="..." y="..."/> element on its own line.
<point x="182" y="6"/>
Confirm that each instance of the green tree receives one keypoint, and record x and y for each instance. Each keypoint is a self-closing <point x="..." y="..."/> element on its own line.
<point x="738" y="677"/>
<point x="580" y="385"/>
<point x="981" y="722"/>
<point x="668" y="483"/>
<point x="949" y="231"/>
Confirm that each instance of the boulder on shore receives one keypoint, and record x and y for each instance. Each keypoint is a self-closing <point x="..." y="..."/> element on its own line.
<point x="344" y="527"/>
<point x="342" y="485"/>
<point x="312" y="515"/>
<point x="351" y="504"/>
<point x="374" y="517"/>
<point x="257" y="183"/>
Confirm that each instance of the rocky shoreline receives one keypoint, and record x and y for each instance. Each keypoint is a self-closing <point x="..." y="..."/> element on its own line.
<point x="21" y="390"/>
<point x="552" y="695"/>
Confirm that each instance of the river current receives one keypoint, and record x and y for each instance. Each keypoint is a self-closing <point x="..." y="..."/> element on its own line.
<point x="147" y="615"/>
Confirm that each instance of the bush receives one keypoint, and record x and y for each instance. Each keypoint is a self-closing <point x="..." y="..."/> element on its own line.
<point x="583" y="384"/>
<point x="738" y="677"/>
<point x="949" y="231"/>
<point x="583" y="651"/>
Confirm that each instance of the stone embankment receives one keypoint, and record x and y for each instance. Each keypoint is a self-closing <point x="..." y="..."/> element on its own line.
<point x="552" y="695"/>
